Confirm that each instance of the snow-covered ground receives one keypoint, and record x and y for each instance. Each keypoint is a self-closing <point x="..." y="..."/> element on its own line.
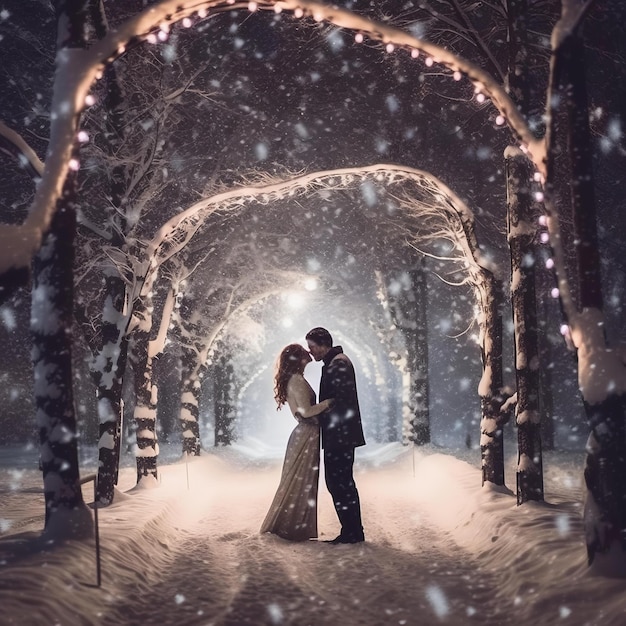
<point x="440" y="549"/>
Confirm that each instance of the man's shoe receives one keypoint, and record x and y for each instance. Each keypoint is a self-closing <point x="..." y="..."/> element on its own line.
<point x="347" y="539"/>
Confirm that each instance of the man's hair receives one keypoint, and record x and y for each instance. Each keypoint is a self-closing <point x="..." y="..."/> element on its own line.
<point x="320" y="336"/>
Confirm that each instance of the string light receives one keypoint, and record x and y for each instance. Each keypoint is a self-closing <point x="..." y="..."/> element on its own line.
<point x="457" y="75"/>
<point x="202" y="13"/>
<point x="162" y="35"/>
<point x="83" y="136"/>
<point x="74" y="164"/>
<point x="429" y="61"/>
<point x="252" y="6"/>
<point x="555" y="292"/>
<point x="500" y="120"/>
<point x="90" y="100"/>
<point x="537" y="177"/>
<point x="539" y="196"/>
<point x="278" y="9"/>
<point x="390" y="47"/>
<point x="298" y="12"/>
<point x="151" y="38"/>
<point x="544" y="237"/>
<point x="564" y="330"/>
<point x="549" y="263"/>
<point x="187" y="22"/>
<point x="358" y="38"/>
<point x="480" y="97"/>
<point x="543" y="220"/>
<point x="415" y="53"/>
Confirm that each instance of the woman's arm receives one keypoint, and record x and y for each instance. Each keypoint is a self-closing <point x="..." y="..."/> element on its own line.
<point x="299" y="396"/>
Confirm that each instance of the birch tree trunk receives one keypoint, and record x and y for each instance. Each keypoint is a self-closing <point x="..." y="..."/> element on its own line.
<point x="190" y="402"/>
<point x="490" y="388"/>
<point x="521" y="235"/>
<point x="524" y="255"/>
<point x="108" y="372"/>
<point x="147" y="448"/>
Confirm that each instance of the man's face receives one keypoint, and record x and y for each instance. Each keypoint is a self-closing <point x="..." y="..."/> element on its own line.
<point x="317" y="352"/>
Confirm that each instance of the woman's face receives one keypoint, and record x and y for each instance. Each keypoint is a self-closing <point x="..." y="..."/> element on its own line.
<point x="306" y="359"/>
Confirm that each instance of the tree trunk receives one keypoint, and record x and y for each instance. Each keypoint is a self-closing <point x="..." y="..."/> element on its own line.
<point x="147" y="448"/>
<point x="51" y="328"/>
<point x="224" y="409"/>
<point x="521" y="235"/>
<point x="109" y="376"/>
<point x="419" y="359"/>
<point x="605" y="468"/>
<point x="524" y="256"/>
<point x="408" y="311"/>
<point x="490" y="388"/>
<point x="190" y="403"/>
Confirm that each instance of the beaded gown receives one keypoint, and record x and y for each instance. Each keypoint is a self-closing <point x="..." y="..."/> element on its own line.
<point x="293" y="512"/>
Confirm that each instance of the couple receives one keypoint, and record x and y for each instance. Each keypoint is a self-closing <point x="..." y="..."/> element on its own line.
<point x="293" y="513"/>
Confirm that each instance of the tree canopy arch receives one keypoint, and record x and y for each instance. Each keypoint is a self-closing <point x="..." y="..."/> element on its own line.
<point x="431" y="211"/>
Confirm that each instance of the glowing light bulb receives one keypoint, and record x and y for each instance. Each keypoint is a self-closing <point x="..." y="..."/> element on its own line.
<point x="74" y="165"/>
<point x="318" y="17"/>
<point x="278" y="9"/>
<point x="544" y="237"/>
<point x="151" y="38"/>
<point x="187" y="22"/>
<point x="415" y="53"/>
<point x="390" y="47"/>
<point x="543" y="220"/>
<point x="480" y="97"/>
<point x="358" y="38"/>
<point x="537" y="177"/>
<point x="549" y="263"/>
<point x="298" y="12"/>
<point x="90" y="100"/>
<point x="555" y="292"/>
<point x="500" y="120"/>
<point x="252" y="6"/>
<point x="83" y="136"/>
<point x="457" y="75"/>
<point x="162" y="35"/>
<point x="429" y="61"/>
<point x="539" y="196"/>
<point x="202" y="13"/>
<point x="564" y="330"/>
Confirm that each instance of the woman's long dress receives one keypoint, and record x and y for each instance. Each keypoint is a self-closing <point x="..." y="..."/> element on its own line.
<point x="293" y="512"/>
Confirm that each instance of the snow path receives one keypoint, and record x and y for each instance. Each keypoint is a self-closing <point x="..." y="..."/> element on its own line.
<point x="440" y="549"/>
<point x="225" y="573"/>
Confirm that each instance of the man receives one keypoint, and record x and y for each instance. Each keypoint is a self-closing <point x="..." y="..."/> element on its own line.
<point x="342" y="432"/>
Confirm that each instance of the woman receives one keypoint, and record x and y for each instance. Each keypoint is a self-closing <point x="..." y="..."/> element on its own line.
<point x="293" y="513"/>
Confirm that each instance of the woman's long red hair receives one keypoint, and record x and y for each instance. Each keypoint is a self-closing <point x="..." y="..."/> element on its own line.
<point x="290" y="362"/>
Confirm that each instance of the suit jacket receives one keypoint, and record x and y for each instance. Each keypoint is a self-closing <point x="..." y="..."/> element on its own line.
<point x="341" y="425"/>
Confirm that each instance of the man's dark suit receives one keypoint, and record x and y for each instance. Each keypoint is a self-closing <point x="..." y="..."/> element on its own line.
<point x="342" y="432"/>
